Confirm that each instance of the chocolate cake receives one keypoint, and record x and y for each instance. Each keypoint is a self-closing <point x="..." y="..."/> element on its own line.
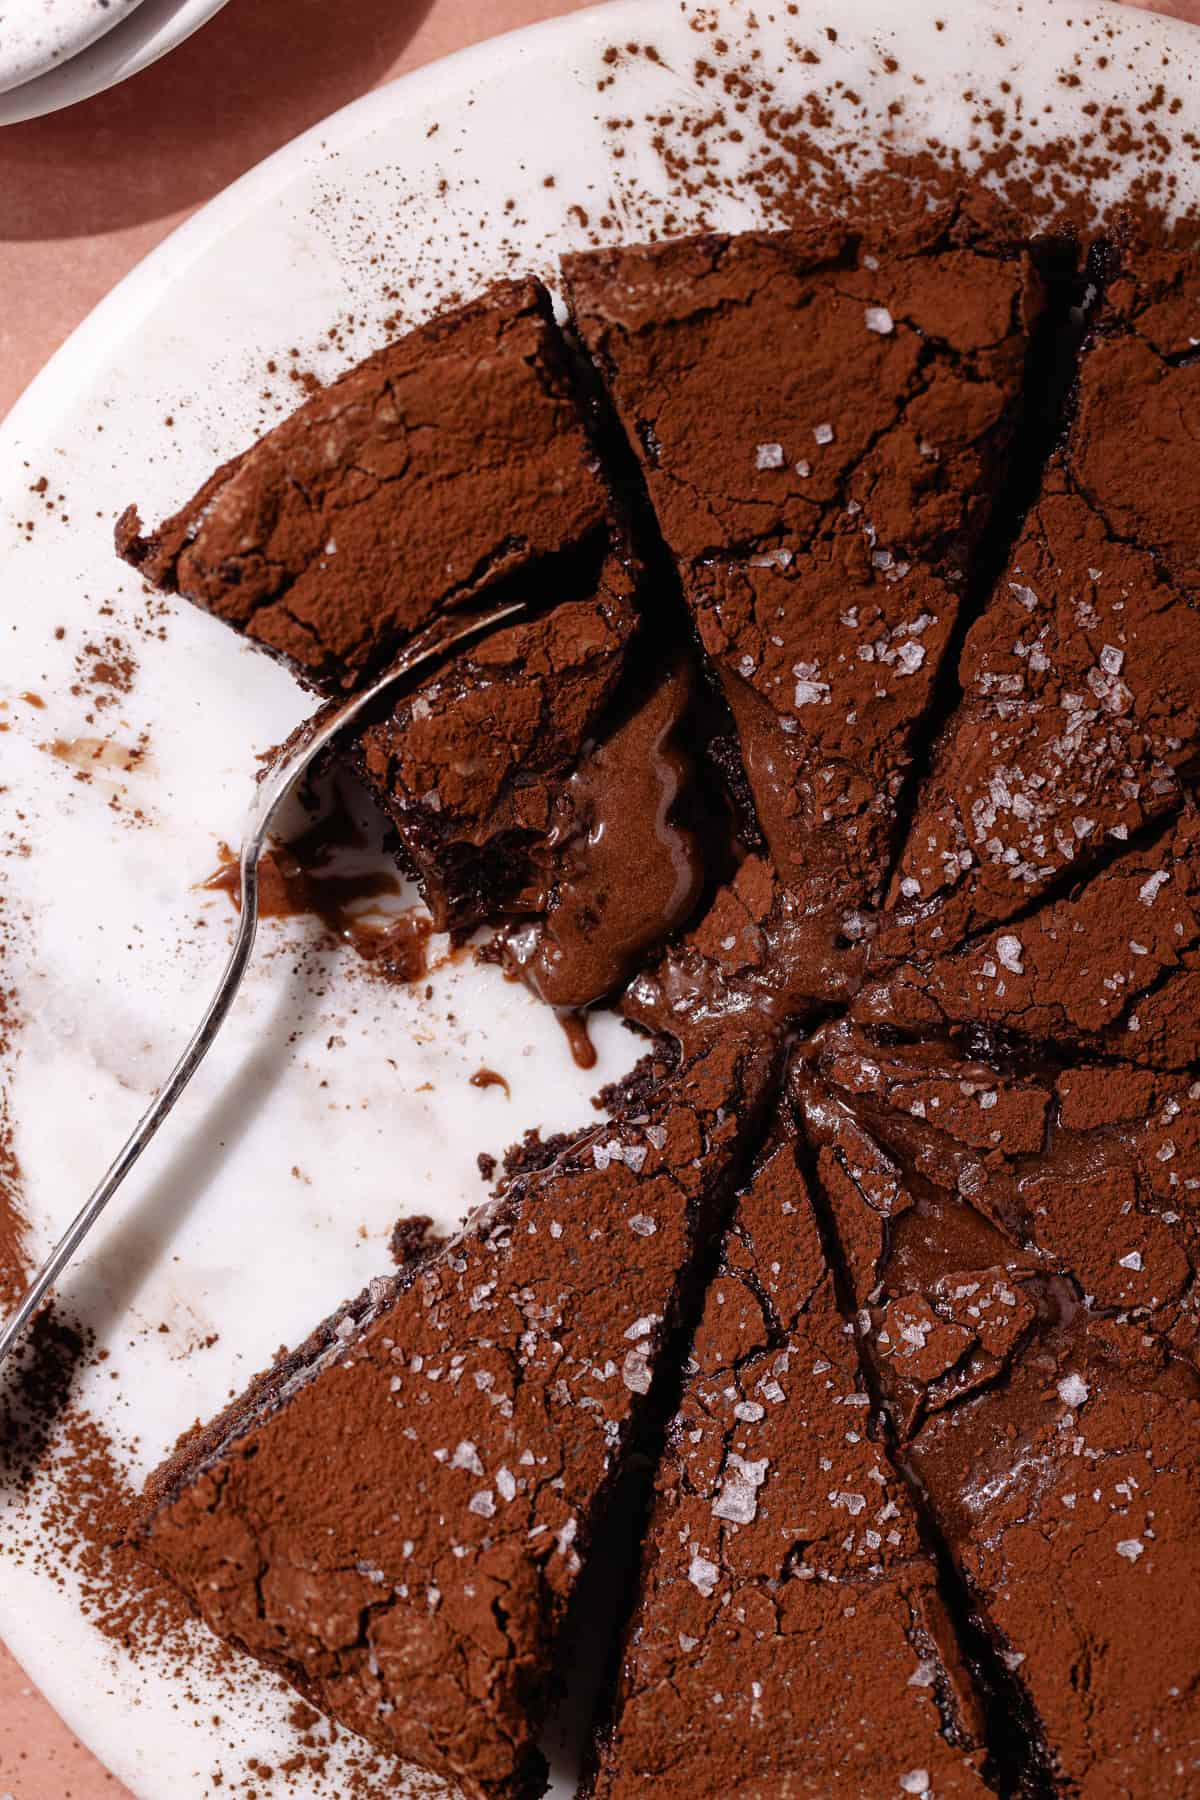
<point x="822" y="426"/>
<point x="788" y="1637"/>
<point x="856" y="709"/>
<point x="747" y="962"/>
<point x="453" y="460"/>
<point x="1022" y="1251"/>
<point x="1079" y="723"/>
<point x="470" y="766"/>
<point x="1113" y="968"/>
<point x="396" y="1517"/>
<point x="549" y="776"/>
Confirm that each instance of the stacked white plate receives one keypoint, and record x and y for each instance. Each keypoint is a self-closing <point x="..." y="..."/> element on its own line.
<point x="55" y="52"/>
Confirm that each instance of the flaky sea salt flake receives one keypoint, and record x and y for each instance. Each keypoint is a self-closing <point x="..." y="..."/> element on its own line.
<point x="915" y="1782"/>
<point x="737" y="1501"/>
<point x="703" y="1575"/>
<point x="1008" y="949"/>
<point x="811" y="693"/>
<point x="1073" y="1390"/>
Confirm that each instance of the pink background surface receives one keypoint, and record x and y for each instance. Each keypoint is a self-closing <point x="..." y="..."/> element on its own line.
<point x="83" y="196"/>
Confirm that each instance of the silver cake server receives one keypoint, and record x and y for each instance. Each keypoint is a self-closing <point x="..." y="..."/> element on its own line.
<point x="296" y="756"/>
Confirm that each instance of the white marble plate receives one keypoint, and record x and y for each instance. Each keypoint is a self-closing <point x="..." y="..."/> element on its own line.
<point x="133" y="34"/>
<point x="36" y="35"/>
<point x="442" y="179"/>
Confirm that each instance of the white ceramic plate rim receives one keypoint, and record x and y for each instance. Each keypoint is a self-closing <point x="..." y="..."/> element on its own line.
<point x="109" y="321"/>
<point x="152" y="29"/>
<point x="63" y="40"/>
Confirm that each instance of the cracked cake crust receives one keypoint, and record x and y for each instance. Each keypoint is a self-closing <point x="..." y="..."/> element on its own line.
<point x="822" y="427"/>
<point x="1023" y="1255"/>
<point x="788" y="1638"/>
<point x="1113" y="969"/>
<point x="1079" y="722"/>
<point x="398" y="1523"/>
<point x="965" y="687"/>
<point x="453" y="459"/>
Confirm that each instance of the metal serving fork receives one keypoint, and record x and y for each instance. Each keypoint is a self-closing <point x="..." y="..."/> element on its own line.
<point x="297" y="755"/>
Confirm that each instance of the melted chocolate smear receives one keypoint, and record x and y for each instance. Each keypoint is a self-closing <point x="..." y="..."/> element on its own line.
<point x="575" y="1028"/>
<point x="714" y="798"/>
<point x="95" y="752"/>
<point x="488" y="1078"/>
<point x="784" y="958"/>
<point x="332" y="871"/>
<point x="399" y="951"/>
<point x="629" y="870"/>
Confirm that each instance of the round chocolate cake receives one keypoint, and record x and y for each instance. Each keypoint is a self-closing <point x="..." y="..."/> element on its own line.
<point x="847" y="744"/>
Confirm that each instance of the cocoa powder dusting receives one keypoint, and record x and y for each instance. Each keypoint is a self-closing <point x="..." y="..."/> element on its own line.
<point x="736" y="132"/>
<point x="53" y="1450"/>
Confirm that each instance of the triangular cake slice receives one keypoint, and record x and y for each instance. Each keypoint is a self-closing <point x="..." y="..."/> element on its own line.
<point x="788" y="1637"/>
<point x="1079" y="723"/>
<point x="1022" y="1251"/>
<point x="529" y="775"/>
<point x="452" y="461"/>
<point x="396" y="1518"/>
<point x="822" y="427"/>
<point x="1113" y="969"/>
